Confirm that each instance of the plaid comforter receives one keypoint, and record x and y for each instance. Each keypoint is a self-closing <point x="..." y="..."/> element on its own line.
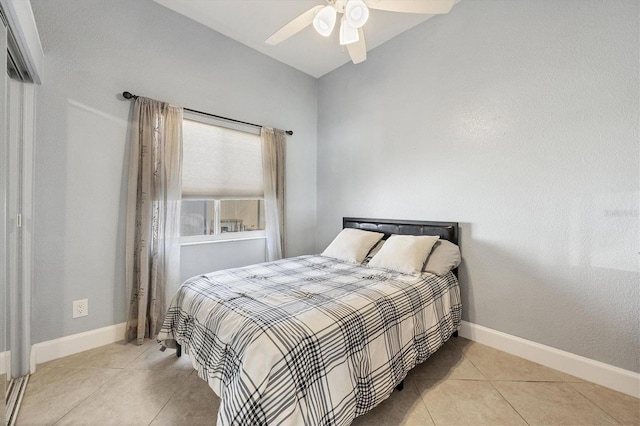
<point x="308" y="340"/>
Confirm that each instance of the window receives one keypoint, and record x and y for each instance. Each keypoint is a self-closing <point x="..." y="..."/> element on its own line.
<point x="222" y="182"/>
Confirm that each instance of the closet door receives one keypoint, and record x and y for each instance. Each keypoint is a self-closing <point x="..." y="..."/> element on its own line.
<point x="21" y="61"/>
<point x="18" y="228"/>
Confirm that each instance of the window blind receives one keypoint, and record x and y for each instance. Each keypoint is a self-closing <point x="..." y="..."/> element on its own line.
<point x="221" y="163"/>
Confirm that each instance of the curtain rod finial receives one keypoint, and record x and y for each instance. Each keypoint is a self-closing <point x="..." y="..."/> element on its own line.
<point x="289" y="132"/>
<point x="128" y="95"/>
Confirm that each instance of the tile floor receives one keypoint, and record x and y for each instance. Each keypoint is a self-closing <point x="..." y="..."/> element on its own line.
<point x="464" y="383"/>
<point x="3" y="407"/>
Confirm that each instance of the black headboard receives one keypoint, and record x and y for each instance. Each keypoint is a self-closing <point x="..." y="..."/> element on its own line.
<point x="445" y="230"/>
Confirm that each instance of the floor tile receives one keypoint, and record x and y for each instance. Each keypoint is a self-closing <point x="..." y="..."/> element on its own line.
<point x="49" y="398"/>
<point x="498" y="365"/>
<point x="401" y="408"/>
<point x="447" y="363"/>
<point x="466" y="402"/>
<point x="194" y="403"/>
<point x="134" y="397"/>
<point x="624" y="408"/>
<point x="40" y="371"/>
<point x="541" y="403"/>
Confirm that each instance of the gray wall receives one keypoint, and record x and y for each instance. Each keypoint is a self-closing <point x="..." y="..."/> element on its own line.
<point x="518" y="119"/>
<point x="95" y="49"/>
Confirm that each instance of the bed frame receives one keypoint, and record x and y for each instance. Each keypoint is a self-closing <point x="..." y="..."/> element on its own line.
<point x="445" y="230"/>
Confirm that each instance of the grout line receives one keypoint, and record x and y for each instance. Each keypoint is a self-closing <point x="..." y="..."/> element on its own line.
<point x="472" y="363"/>
<point x="596" y="404"/>
<point x="566" y="384"/>
<point x="424" y="404"/>
<point x="89" y="395"/>
<point x="508" y="402"/>
<point x="558" y="380"/>
<point x="176" y="389"/>
<point x="120" y="369"/>
<point x="116" y="376"/>
<point x="140" y="355"/>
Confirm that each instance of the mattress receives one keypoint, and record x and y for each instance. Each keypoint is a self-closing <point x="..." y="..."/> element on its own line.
<point x="308" y="340"/>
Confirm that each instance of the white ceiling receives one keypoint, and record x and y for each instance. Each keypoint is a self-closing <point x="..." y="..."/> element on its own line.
<point x="251" y="22"/>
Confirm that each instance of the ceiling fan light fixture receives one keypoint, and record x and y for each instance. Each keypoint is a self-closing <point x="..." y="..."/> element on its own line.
<point x="357" y="13"/>
<point x="325" y="21"/>
<point x="348" y="34"/>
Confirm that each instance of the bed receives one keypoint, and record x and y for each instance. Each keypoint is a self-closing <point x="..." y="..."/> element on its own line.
<point x="313" y="340"/>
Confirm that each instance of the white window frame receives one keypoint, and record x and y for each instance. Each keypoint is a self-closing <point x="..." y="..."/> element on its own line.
<point x="223" y="237"/>
<point x="219" y="237"/>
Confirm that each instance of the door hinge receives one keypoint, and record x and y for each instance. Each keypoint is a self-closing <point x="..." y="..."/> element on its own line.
<point x="19" y="221"/>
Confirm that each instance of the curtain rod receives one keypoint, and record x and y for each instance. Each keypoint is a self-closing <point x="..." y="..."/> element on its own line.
<point x="129" y="95"/>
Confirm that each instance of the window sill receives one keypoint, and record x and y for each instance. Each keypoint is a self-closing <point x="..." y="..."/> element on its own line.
<point x="215" y="239"/>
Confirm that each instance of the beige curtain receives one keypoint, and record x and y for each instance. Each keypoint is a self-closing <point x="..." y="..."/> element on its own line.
<point x="273" y="166"/>
<point x="153" y="215"/>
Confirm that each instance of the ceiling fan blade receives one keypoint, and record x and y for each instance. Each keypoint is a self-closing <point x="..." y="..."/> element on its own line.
<point x="432" y="7"/>
<point x="358" y="50"/>
<point x="298" y="24"/>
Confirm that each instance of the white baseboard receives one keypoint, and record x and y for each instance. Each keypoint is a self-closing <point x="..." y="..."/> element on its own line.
<point x="4" y="361"/>
<point x="615" y="378"/>
<point x="69" y="345"/>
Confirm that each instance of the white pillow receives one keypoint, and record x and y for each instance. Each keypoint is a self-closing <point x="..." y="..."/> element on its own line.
<point x="444" y="257"/>
<point x="352" y="245"/>
<point x="404" y="253"/>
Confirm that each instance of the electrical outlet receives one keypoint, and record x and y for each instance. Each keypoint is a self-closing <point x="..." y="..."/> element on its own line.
<point x="80" y="308"/>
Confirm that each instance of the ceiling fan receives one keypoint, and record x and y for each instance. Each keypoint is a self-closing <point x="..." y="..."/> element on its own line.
<point x="354" y="15"/>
